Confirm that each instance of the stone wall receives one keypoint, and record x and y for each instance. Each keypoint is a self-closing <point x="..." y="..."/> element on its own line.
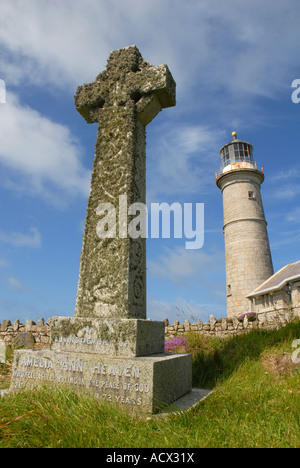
<point x="225" y="327"/>
<point x="40" y="332"/>
<point x="221" y="328"/>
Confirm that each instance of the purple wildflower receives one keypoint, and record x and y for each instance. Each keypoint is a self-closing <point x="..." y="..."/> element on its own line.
<point x="176" y="342"/>
<point x="250" y="315"/>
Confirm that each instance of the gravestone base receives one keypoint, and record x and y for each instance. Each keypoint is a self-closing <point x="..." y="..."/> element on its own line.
<point x="111" y="336"/>
<point x="121" y="361"/>
<point x="147" y="384"/>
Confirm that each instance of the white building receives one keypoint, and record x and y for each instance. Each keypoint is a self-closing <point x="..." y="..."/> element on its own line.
<point x="279" y="294"/>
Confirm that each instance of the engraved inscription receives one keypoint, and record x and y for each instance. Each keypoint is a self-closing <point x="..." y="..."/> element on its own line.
<point x="88" y="340"/>
<point x="122" y="383"/>
<point x="127" y="371"/>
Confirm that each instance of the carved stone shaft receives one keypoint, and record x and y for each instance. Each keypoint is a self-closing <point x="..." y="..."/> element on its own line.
<point x="123" y="100"/>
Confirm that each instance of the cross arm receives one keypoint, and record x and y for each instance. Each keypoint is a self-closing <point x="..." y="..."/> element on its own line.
<point x="87" y="99"/>
<point x="156" y="89"/>
<point x="156" y="80"/>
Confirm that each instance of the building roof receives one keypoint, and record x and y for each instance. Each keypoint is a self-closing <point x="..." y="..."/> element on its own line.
<point x="289" y="273"/>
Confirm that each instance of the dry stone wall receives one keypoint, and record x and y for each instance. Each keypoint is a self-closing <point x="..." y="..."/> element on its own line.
<point x="39" y="332"/>
<point x="222" y="328"/>
<point x="226" y="327"/>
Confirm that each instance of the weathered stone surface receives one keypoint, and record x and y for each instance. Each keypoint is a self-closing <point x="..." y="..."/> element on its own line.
<point x="114" y="337"/>
<point x="2" y="352"/>
<point x="5" y="325"/>
<point x="23" y="340"/>
<point x="212" y="322"/>
<point x="224" y="324"/>
<point x="29" y="324"/>
<point x="145" y="383"/>
<point x="41" y="323"/>
<point x="122" y="100"/>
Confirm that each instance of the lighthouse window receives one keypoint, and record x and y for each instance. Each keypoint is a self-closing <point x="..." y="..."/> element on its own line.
<point x="241" y="151"/>
<point x="236" y="152"/>
<point x="225" y="156"/>
<point x="246" y="151"/>
<point x="250" y="153"/>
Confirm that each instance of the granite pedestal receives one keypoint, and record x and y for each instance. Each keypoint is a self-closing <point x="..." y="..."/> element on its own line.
<point x="98" y="357"/>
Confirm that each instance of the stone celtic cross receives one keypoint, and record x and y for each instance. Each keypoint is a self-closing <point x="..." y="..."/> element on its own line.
<point x="109" y="349"/>
<point x="122" y="100"/>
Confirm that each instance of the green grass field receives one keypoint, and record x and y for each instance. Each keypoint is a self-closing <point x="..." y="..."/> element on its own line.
<point x="255" y="403"/>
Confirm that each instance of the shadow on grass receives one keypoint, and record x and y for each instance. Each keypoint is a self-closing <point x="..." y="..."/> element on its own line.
<point x="211" y="366"/>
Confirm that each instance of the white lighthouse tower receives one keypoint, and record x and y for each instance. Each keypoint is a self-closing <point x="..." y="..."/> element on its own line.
<point x="247" y="249"/>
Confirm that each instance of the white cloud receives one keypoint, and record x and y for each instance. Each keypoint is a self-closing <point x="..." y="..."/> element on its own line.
<point x="40" y="154"/>
<point x="286" y="183"/>
<point x="186" y="266"/>
<point x="238" y="46"/>
<point x="180" y="309"/>
<point x="184" y="161"/>
<point x="53" y="42"/>
<point x="198" y="281"/>
<point x="16" y="285"/>
<point x="18" y="239"/>
<point x="294" y="216"/>
<point x="64" y="42"/>
<point x="282" y="239"/>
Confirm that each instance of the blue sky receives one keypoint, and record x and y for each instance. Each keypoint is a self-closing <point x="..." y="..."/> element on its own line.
<point x="234" y="63"/>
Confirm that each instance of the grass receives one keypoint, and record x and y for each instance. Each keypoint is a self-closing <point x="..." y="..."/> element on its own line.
<point x="255" y="403"/>
<point x="5" y="369"/>
<point x="215" y="360"/>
